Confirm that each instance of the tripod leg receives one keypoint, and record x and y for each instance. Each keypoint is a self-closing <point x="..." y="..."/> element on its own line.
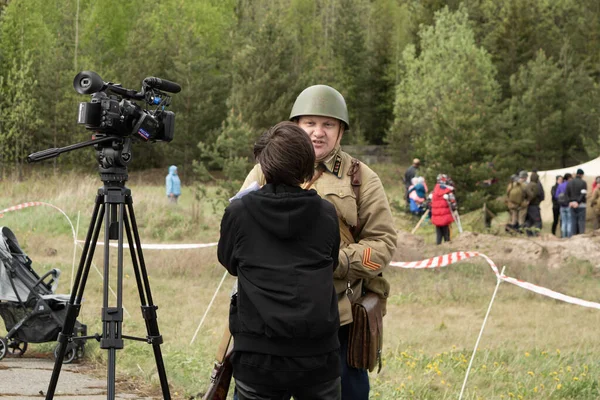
<point x="148" y="308"/>
<point x="112" y="317"/>
<point x="74" y="304"/>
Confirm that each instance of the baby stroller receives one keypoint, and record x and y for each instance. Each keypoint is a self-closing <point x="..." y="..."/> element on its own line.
<point x="32" y="313"/>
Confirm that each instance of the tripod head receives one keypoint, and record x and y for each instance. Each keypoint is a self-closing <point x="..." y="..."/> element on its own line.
<point x="112" y="152"/>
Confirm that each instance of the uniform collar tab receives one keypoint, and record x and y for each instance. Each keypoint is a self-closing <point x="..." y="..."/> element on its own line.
<point x="333" y="164"/>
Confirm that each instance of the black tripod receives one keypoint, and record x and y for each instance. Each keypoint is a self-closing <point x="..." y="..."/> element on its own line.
<point x="114" y="205"/>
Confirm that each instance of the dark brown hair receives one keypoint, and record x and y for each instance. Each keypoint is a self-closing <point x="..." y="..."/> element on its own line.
<point x="285" y="154"/>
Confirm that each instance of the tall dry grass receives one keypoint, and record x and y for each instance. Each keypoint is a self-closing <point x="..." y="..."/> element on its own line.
<point x="532" y="347"/>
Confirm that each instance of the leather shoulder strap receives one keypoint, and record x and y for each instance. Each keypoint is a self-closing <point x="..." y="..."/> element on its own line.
<point x="356" y="180"/>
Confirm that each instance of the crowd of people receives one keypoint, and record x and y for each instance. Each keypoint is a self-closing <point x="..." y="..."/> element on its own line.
<point x="569" y="197"/>
<point x="523" y="198"/>
<point x="439" y="204"/>
<point x="569" y="204"/>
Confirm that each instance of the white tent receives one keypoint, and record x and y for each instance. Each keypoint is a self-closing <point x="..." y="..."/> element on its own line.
<point x="591" y="170"/>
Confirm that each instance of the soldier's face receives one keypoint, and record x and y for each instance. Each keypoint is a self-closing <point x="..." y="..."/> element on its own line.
<point x="324" y="132"/>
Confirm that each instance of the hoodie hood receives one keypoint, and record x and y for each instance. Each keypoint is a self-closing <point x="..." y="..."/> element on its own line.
<point x="172" y="170"/>
<point x="283" y="210"/>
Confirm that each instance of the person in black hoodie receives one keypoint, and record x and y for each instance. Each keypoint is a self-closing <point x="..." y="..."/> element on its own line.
<point x="282" y="242"/>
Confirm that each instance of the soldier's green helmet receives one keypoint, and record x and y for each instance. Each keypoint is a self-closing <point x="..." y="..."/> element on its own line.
<point x="321" y="100"/>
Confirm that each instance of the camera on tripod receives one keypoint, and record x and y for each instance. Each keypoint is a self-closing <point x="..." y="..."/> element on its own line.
<point x="112" y="112"/>
<point x="117" y="121"/>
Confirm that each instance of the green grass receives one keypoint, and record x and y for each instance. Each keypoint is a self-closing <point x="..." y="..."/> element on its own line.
<point x="532" y="348"/>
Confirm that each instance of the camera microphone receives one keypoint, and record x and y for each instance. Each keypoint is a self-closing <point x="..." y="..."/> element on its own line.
<point x="162" y="84"/>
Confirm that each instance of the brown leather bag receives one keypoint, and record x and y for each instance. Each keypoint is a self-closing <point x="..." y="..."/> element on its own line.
<point x="366" y="333"/>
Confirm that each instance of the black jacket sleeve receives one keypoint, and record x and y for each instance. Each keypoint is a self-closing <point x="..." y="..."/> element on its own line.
<point x="226" y="246"/>
<point x="570" y="191"/>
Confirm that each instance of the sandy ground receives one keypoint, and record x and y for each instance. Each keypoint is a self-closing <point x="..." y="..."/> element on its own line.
<point x="544" y="250"/>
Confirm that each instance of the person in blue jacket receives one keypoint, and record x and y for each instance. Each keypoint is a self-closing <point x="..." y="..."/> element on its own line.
<point x="173" y="184"/>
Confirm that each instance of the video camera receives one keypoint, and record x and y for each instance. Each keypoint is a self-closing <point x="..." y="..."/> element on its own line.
<point x="111" y="112"/>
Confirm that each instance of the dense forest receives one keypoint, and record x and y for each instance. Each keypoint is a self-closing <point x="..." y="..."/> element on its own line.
<point x="460" y="84"/>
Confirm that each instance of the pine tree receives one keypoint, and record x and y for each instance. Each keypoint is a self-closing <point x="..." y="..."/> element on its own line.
<point x="18" y="114"/>
<point x="551" y="110"/>
<point x="446" y="102"/>
<point x="265" y="80"/>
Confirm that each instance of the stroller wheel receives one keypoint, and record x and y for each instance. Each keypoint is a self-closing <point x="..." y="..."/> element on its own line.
<point x="80" y="352"/>
<point x="3" y="347"/>
<point x="17" y="348"/>
<point x="69" y="355"/>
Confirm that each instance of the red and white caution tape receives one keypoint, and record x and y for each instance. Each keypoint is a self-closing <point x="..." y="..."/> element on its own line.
<point x="434" y="262"/>
<point x="39" y="203"/>
<point x="448" y="259"/>
<point x="158" y="246"/>
<point x="29" y="204"/>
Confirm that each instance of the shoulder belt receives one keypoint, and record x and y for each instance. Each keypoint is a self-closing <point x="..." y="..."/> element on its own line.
<point x="355" y="181"/>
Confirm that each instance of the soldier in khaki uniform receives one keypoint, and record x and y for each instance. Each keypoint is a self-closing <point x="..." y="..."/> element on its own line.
<point x="368" y="236"/>
<point x="517" y="202"/>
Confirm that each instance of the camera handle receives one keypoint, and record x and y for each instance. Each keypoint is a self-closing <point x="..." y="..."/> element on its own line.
<point x="112" y="157"/>
<point x="114" y="205"/>
<point x="55" y="152"/>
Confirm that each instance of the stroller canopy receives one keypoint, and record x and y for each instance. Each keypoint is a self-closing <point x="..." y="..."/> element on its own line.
<point x="16" y="276"/>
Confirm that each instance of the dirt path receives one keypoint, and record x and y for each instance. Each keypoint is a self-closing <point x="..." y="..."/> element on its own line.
<point x="28" y="378"/>
<point x="545" y="250"/>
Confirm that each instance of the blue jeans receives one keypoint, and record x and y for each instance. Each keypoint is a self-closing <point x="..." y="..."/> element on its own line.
<point x="565" y="222"/>
<point x="578" y="220"/>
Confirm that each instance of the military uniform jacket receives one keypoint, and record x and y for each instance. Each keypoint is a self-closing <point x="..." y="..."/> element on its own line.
<point x="366" y="252"/>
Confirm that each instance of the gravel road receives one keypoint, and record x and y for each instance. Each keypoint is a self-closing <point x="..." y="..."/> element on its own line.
<point x="28" y="378"/>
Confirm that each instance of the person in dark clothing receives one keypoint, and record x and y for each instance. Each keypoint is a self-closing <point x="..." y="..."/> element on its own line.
<point x="517" y="202"/>
<point x="577" y="193"/>
<point x="533" y="221"/>
<point x="555" y="204"/>
<point x="410" y="173"/>
<point x="565" y="210"/>
<point x="282" y="242"/>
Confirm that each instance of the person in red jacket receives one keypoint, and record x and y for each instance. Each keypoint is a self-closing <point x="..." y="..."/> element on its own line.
<point x="443" y="204"/>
